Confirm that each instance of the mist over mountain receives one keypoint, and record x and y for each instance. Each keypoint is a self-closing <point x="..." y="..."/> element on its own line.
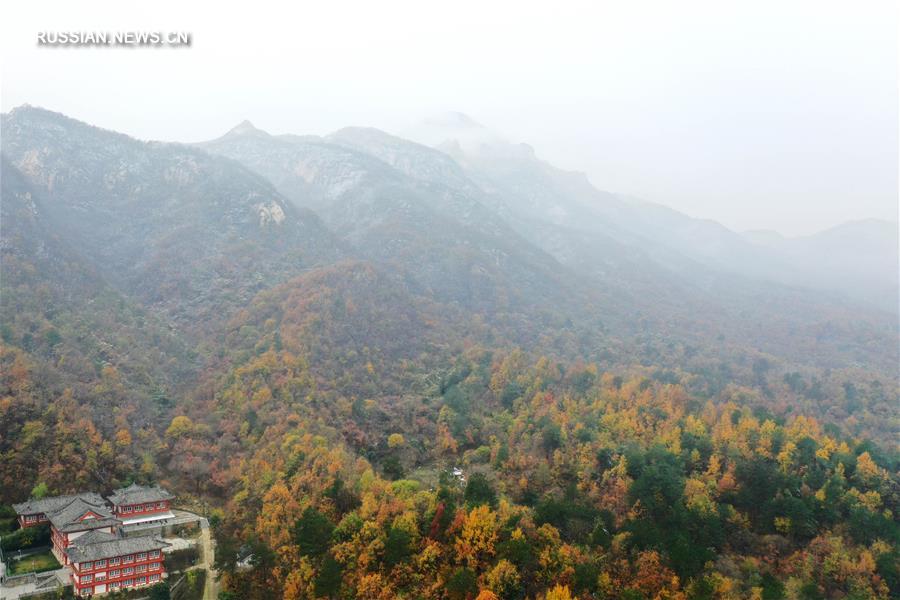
<point x="165" y="223"/>
<point x="474" y="301"/>
<point x="478" y="224"/>
<point x="858" y="259"/>
<point x="443" y="238"/>
<point x="529" y="190"/>
<point x="61" y="303"/>
<point x="498" y="227"/>
<point x="406" y="344"/>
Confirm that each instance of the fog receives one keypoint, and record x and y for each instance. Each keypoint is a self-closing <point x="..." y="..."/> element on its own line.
<point x="761" y="115"/>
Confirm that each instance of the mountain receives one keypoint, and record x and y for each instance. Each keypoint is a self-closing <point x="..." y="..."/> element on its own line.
<point x="437" y="169"/>
<point x="526" y="189"/>
<point x="190" y="233"/>
<point x="392" y="370"/>
<point x="858" y="258"/>
<point x="418" y="210"/>
<point x="649" y="265"/>
<point x="532" y="194"/>
<point x="488" y="226"/>
<point x="76" y="357"/>
<point x="481" y="240"/>
<point x="441" y="236"/>
<point x="57" y="307"/>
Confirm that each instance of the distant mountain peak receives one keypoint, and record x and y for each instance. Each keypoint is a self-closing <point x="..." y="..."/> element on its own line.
<point x="22" y="108"/>
<point x="456" y="128"/>
<point x="32" y="117"/>
<point x="244" y="128"/>
<point x="355" y="135"/>
<point x="31" y="111"/>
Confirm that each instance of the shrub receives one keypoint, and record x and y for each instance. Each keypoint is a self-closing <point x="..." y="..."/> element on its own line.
<point x="480" y="491"/>
<point x="312" y="533"/>
<point x="179" y="560"/>
<point x="29" y="537"/>
<point x="7" y="525"/>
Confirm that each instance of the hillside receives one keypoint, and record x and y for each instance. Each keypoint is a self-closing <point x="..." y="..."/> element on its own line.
<point x="855" y="260"/>
<point x="684" y="278"/>
<point x="178" y="229"/>
<point x="858" y="259"/>
<point x="78" y="358"/>
<point x="390" y="370"/>
<point x="448" y="244"/>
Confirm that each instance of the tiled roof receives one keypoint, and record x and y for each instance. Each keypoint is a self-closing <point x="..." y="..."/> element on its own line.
<point x="54" y="503"/>
<point x="105" y="545"/>
<point x="67" y="517"/>
<point x="94" y="537"/>
<point x="136" y="494"/>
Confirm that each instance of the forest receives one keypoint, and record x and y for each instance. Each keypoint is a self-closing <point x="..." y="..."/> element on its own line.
<point x="398" y="399"/>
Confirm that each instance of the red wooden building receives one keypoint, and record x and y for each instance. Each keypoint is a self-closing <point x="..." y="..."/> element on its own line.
<point x="89" y="536"/>
<point x="103" y="562"/>
<point x="34" y="512"/>
<point x="139" y="505"/>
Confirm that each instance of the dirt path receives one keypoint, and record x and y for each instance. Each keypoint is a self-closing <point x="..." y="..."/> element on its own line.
<point x="211" y="589"/>
<point x="208" y="551"/>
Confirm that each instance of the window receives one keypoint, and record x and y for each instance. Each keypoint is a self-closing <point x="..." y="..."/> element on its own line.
<point x="154" y="554"/>
<point x="128" y="559"/>
<point x="142" y="556"/>
<point x="114" y="573"/>
<point x="128" y="582"/>
<point x="99" y="576"/>
<point x="114" y="561"/>
<point x="99" y="564"/>
<point x="154" y="566"/>
<point x="148" y="507"/>
<point x="128" y="571"/>
<point x="87" y="566"/>
<point x="141" y="568"/>
<point x="141" y="580"/>
<point x="160" y="505"/>
<point x="114" y="584"/>
<point x="126" y="509"/>
<point x="30" y="518"/>
<point x="87" y="591"/>
<point x="154" y="578"/>
<point x="86" y="578"/>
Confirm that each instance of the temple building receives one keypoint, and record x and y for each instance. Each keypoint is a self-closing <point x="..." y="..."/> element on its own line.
<point x="74" y="520"/>
<point x="102" y="562"/>
<point x="35" y="512"/>
<point x="88" y="536"/>
<point x="139" y="505"/>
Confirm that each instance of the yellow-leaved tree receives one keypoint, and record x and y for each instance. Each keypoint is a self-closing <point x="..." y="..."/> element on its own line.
<point x="475" y="543"/>
<point x="559" y="592"/>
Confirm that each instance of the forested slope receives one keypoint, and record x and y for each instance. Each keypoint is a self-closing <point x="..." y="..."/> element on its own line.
<point x="383" y="383"/>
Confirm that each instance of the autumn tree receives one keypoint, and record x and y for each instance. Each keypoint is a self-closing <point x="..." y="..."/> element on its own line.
<point x="476" y="542"/>
<point x="312" y="533"/>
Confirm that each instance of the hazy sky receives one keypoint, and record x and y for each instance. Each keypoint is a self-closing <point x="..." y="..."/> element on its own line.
<point x="757" y="113"/>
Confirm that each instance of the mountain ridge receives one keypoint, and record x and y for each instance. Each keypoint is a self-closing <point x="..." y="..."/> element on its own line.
<point x="131" y="204"/>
